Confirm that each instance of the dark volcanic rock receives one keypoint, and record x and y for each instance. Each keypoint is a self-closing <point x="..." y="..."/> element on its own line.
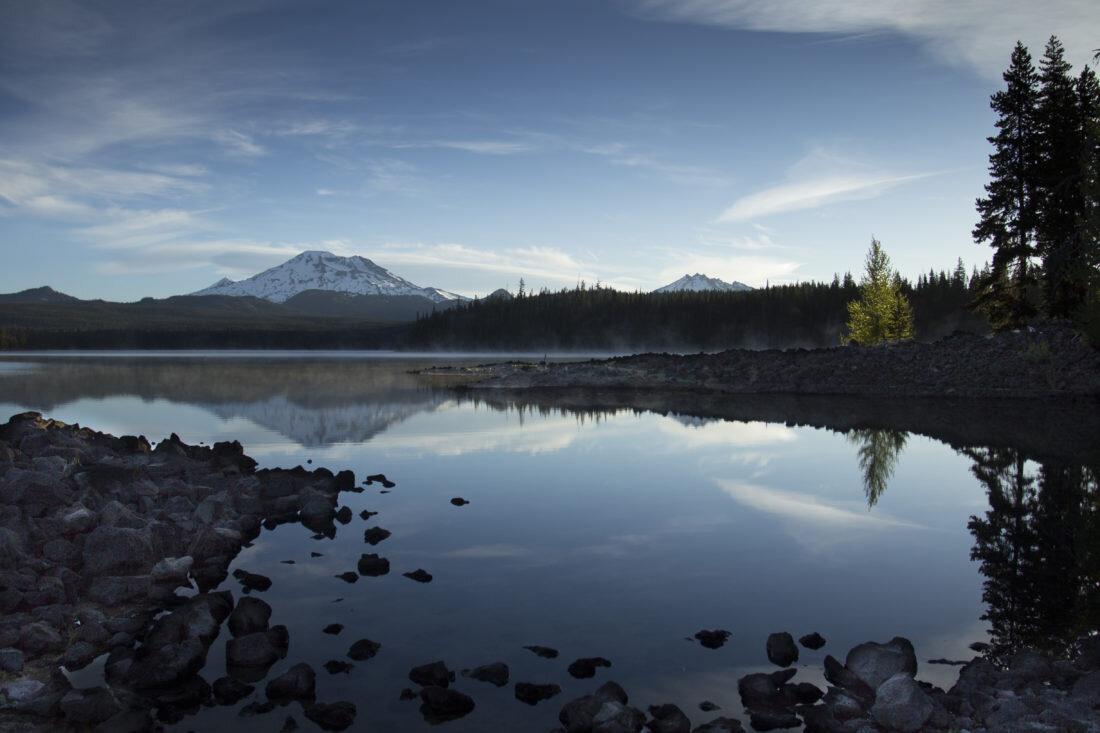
<point x="372" y="565"/>
<point x="668" y="718"/>
<point x="495" y="673"/>
<point x="532" y="694"/>
<point x="252" y="581"/>
<point x="459" y="501"/>
<point x="441" y="704"/>
<point x="258" y="649"/>
<point x="434" y="674"/>
<point x="586" y="667"/>
<point x="348" y="577"/>
<point x="250" y="615"/>
<point x="875" y="663"/>
<point x="363" y="650"/>
<point x="721" y="725"/>
<point x="419" y="575"/>
<point x="781" y="649"/>
<point x="297" y="683"/>
<point x="543" y="651"/>
<point x="333" y="629"/>
<point x="230" y="691"/>
<point x="609" y="704"/>
<point x="335" y="666"/>
<point x="712" y="639"/>
<point x="374" y="535"/>
<point x="334" y="716"/>
<point x="380" y="478"/>
<point x="812" y="641"/>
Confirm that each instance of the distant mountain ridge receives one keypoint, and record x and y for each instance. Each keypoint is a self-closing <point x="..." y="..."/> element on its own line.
<point x="44" y="294"/>
<point x="699" y="283"/>
<point x="317" y="270"/>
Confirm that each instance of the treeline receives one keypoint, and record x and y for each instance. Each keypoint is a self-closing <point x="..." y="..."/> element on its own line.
<point x="804" y="315"/>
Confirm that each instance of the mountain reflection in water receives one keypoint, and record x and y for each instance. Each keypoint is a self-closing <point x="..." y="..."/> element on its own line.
<point x="618" y="524"/>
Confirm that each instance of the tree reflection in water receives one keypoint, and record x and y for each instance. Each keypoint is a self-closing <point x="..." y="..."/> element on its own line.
<point x="1039" y="548"/>
<point x="878" y="456"/>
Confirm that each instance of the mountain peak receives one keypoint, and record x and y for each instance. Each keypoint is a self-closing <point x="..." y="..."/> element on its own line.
<point x="700" y="283"/>
<point x="320" y="270"/>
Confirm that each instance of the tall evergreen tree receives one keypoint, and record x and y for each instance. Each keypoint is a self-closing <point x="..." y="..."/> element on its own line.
<point x="1059" y="200"/>
<point x="1008" y="213"/>
<point x="1088" y="107"/>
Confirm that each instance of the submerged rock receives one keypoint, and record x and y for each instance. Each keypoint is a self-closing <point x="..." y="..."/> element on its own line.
<point x="441" y="704"/>
<point x="586" y="667"/>
<point x="532" y="694"/>
<point x="495" y="673"/>
<point x="363" y="650"/>
<point x="543" y="651"/>
<point x="712" y="639"/>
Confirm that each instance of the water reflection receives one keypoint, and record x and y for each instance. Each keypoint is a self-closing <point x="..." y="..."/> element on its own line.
<point x="878" y="456"/>
<point x="1039" y="548"/>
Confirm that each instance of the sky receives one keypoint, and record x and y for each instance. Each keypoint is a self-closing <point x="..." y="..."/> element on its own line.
<point x="150" y="148"/>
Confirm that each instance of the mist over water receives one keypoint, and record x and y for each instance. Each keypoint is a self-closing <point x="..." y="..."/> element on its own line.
<point x="600" y="530"/>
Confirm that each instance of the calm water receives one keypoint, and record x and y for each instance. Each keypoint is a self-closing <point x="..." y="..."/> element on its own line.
<point x="599" y="533"/>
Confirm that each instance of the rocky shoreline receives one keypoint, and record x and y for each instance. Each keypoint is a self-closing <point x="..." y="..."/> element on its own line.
<point x="1050" y="361"/>
<point x="97" y="534"/>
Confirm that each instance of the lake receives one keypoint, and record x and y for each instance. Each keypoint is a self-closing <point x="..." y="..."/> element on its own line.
<point x="602" y="529"/>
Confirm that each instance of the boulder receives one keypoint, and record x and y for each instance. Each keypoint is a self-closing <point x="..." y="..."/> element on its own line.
<point x="812" y="641"/>
<point x="495" y="673"/>
<point x="118" y="551"/>
<point x="364" y="649"/>
<point x="297" y="683"/>
<point x="258" y="649"/>
<point x="781" y="649"/>
<point x="533" y="694"/>
<point x="250" y="615"/>
<point x="721" y="725"/>
<point x="172" y="571"/>
<point x="335" y="716"/>
<point x="605" y="711"/>
<point x="712" y="639"/>
<point x="900" y="704"/>
<point x="371" y="564"/>
<point x="440" y="704"/>
<point x="586" y="667"/>
<point x="668" y="718"/>
<point x="118" y="590"/>
<point x="434" y="674"/>
<point x="89" y="706"/>
<point x="230" y="691"/>
<point x="875" y="663"/>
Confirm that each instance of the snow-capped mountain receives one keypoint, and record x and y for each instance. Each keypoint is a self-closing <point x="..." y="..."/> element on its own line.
<point x="698" y="283"/>
<point x="316" y="270"/>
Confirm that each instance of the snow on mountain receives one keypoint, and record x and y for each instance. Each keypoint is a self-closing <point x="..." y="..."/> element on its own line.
<point x="699" y="283"/>
<point x="316" y="270"/>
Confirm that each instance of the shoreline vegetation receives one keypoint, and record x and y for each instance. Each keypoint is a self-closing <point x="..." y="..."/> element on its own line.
<point x="91" y="559"/>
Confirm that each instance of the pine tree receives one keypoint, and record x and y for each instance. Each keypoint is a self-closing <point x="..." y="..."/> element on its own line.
<point x="1059" y="197"/>
<point x="1088" y="107"/>
<point x="882" y="312"/>
<point x="1008" y="214"/>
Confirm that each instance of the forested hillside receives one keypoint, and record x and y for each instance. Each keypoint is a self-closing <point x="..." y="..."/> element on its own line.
<point x="800" y="315"/>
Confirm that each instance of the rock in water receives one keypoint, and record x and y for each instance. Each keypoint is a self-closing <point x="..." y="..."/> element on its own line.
<point x="441" y="704"/>
<point x="781" y="649"/>
<point x="712" y="639"/>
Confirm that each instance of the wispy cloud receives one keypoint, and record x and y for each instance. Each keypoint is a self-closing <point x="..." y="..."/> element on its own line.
<point x="978" y="35"/>
<point x="536" y="263"/>
<point x="807" y="508"/>
<point x="229" y="257"/>
<point x="483" y="147"/>
<point x="687" y="175"/>
<point x="811" y="194"/>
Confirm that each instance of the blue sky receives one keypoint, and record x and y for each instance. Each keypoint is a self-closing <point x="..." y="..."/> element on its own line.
<point x="151" y="148"/>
